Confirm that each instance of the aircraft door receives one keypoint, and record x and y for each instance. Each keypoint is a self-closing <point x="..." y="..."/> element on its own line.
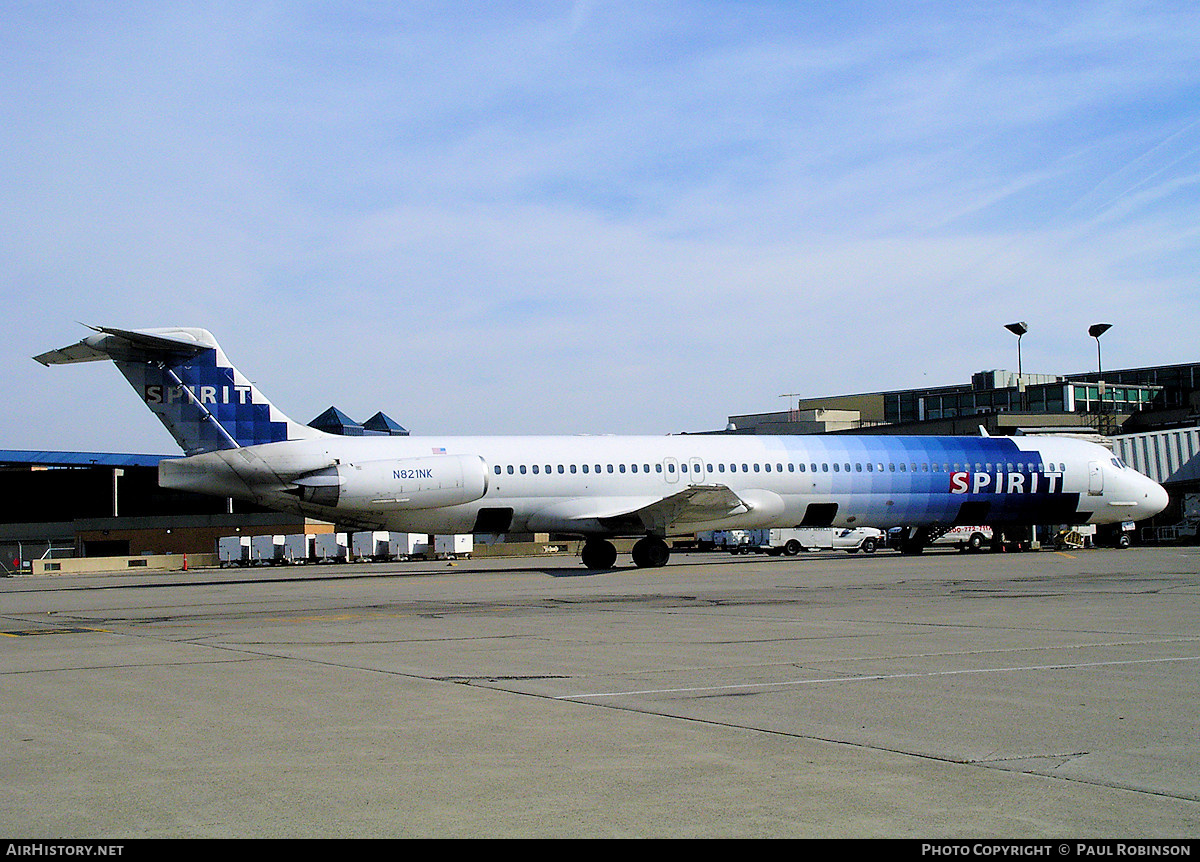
<point x="1095" y="478"/>
<point x="697" y="470"/>
<point x="671" y="470"/>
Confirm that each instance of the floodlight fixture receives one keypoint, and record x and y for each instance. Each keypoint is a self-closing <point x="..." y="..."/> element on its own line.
<point x="1018" y="329"/>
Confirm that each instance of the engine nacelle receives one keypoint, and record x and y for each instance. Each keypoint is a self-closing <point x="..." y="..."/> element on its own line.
<point x="404" y="483"/>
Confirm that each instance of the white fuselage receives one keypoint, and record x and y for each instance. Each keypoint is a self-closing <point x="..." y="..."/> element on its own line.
<point x="611" y="485"/>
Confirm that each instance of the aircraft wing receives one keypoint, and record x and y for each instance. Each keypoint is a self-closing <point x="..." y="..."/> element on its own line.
<point x="694" y="504"/>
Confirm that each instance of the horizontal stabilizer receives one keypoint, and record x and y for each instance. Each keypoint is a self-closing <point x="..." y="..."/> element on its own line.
<point x="111" y="343"/>
<point x="78" y="352"/>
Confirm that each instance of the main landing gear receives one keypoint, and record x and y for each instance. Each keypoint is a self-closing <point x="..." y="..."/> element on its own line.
<point x="650" y="552"/>
<point x="598" y="554"/>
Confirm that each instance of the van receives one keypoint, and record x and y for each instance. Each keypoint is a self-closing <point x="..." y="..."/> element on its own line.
<point x="965" y="538"/>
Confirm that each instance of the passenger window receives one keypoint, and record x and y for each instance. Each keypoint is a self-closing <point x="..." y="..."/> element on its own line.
<point x="523" y="470"/>
<point x="510" y="469"/>
<point x="497" y="469"/>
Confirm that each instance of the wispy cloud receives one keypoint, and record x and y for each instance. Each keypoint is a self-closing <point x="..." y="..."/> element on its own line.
<point x="594" y="216"/>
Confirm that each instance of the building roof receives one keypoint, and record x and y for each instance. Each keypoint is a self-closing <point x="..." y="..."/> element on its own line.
<point x="46" y="458"/>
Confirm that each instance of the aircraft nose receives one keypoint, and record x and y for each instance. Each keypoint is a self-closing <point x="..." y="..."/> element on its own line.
<point x="1156" y="499"/>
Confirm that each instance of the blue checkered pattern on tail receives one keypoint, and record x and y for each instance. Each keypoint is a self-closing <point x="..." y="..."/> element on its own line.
<point x="205" y="403"/>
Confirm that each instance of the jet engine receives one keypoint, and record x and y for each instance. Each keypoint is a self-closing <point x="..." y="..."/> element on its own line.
<point x="405" y="483"/>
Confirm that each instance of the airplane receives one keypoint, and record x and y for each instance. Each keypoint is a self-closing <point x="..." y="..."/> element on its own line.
<point x="237" y="444"/>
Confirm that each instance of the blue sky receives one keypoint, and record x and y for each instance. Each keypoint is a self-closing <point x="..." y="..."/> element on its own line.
<point x="590" y="217"/>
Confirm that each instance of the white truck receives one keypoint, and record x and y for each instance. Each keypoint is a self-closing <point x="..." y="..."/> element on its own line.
<point x="233" y="550"/>
<point x="965" y="538"/>
<point x="370" y="545"/>
<point x="452" y="547"/>
<point x="725" y="540"/>
<point x="298" y="547"/>
<point x="793" y="541"/>
<point x="408" y="546"/>
<point x="266" y="549"/>
<point x="330" y="547"/>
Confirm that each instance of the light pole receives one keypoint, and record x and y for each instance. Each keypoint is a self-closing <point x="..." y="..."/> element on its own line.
<point x="1018" y="329"/>
<point x="1096" y="330"/>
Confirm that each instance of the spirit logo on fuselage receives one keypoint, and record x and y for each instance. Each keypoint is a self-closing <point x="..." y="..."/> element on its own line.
<point x="159" y="394"/>
<point x="1005" y="483"/>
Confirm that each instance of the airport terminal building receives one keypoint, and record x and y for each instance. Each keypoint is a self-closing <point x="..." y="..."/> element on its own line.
<point x="1149" y="416"/>
<point x="86" y="504"/>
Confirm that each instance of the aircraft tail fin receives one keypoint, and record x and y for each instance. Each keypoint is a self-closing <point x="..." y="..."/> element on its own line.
<point x="185" y="379"/>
